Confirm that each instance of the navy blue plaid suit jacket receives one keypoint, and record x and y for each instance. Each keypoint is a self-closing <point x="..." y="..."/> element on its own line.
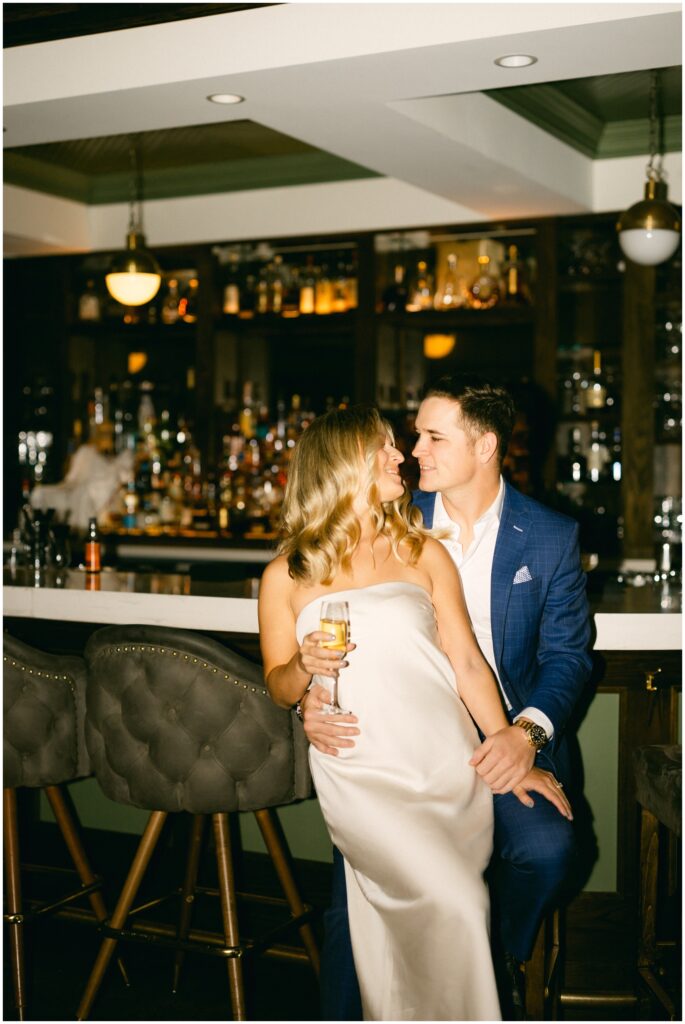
<point x="540" y="625"/>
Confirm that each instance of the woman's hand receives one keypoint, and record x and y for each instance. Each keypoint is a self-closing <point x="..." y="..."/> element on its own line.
<point x="314" y="659"/>
<point x="540" y="781"/>
<point x="326" y="732"/>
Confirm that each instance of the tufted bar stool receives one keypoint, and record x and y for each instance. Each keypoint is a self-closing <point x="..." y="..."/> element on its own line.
<point x="44" y="698"/>
<point x="177" y="722"/>
<point x="659" y="790"/>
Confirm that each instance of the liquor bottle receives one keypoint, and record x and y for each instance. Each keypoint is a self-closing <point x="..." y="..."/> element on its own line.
<point x="169" y="312"/>
<point x="596" y="390"/>
<point x="308" y="288"/>
<point x="100" y="426"/>
<point x="616" y="459"/>
<point x="351" y="284"/>
<point x="92" y="550"/>
<point x="515" y="288"/>
<point x="394" y="297"/>
<point x="248" y="298"/>
<point x="421" y="297"/>
<point x="449" y="295"/>
<point x="573" y="465"/>
<point x="231" y="295"/>
<point x="276" y="286"/>
<point x="323" y="293"/>
<point x="247" y="419"/>
<point x="668" y="411"/>
<point x="484" y="291"/>
<point x="290" y="307"/>
<point x="89" y="303"/>
<point x="339" y="297"/>
<point x="187" y="307"/>
<point x="598" y="457"/>
<point x="262" y="293"/>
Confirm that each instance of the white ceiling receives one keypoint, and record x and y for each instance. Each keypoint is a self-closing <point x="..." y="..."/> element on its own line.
<point x="393" y="87"/>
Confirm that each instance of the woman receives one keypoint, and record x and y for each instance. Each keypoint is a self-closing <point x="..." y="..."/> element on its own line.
<point x="411" y="817"/>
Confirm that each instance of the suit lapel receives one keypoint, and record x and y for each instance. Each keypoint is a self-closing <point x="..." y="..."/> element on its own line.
<point x="511" y="540"/>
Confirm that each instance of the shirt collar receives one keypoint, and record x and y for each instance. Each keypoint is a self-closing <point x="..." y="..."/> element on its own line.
<point x="442" y="521"/>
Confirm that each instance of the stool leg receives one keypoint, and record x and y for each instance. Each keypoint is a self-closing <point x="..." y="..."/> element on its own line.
<point x="67" y="827"/>
<point x="535" y="977"/>
<point x="647" y="944"/>
<point x="278" y="851"/>
<point x="128" y="894"/>
<point x="229" y="911"/>
<point x="649" y="859"/>
<point x="188" y="892"/>
<point x="11" y="830"/>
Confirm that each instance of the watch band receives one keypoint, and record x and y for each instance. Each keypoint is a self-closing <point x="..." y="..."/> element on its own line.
<point x="537" y="737"/>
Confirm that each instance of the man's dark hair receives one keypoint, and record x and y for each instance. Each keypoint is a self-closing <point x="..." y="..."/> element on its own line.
<point x="484" y="406"/>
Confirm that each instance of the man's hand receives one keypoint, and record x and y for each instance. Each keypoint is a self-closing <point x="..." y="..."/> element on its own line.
<point x="326" y="732"/>
<point x="504" y="759"/>
<point x="540" y="781"/>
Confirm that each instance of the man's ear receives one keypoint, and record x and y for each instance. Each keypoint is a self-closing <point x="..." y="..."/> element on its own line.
<point x="486" y="447"/>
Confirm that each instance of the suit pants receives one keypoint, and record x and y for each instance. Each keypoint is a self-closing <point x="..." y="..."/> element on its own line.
<point x="534" y="847"/>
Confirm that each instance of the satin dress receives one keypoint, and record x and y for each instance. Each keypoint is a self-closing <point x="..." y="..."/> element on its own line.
<point x="411" y="817"/>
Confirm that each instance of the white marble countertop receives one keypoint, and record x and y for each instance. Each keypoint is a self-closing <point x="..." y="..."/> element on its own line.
<point x="625" y="618"/>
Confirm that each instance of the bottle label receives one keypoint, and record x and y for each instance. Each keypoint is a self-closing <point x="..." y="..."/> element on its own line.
<point x="92" y="556"/>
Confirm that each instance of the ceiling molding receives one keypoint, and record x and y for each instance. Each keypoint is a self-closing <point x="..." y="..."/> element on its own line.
<point x="631" y="138"/>
<point x="192" y="179"/>
<point x="555" y="113"/>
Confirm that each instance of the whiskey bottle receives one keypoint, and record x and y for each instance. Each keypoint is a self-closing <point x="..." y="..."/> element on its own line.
<point x="394" y="297"/>
<point x="515" y="289"/>
<point x="421" y="297"/>
<point x="231" y="296"/>
<point x="596" y="391"/>
<point x="92" y="559"/>
<point x="170" y="313"/>
<point x="89" y="304"/>
<point x="484" y="291"/>
<point x="449" y="295"/>
<point x="308" y="288"/>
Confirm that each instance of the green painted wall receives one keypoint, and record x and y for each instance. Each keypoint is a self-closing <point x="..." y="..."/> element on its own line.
<point x="307" y="835"/>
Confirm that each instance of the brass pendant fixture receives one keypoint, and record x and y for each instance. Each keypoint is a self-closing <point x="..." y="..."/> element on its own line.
<point x="134" y="277"/>
<point x="649" y="232"/>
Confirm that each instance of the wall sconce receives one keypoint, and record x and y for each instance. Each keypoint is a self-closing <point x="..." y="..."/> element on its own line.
<point x="649" y="231"/>
<point x="437" y="346"/>
<point x="134" y="277"/>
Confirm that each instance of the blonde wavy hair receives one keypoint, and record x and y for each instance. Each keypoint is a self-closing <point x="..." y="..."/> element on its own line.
<point x="332" y="462"/>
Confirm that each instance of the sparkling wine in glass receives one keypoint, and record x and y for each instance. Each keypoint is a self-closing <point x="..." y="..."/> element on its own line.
<point x="335" y="619"/>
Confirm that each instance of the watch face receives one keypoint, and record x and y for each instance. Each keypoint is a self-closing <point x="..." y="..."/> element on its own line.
<point x="538" y="735"/>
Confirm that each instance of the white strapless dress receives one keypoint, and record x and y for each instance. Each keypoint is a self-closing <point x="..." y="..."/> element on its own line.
<point x="412" y="819"/>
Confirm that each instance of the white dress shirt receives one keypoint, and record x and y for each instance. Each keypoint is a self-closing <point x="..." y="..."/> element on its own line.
<point x="475" y="569"/>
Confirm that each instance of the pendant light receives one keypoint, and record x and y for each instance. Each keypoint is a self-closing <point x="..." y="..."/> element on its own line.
<point x="134" y="277"/>
<point x="649" y="231"/>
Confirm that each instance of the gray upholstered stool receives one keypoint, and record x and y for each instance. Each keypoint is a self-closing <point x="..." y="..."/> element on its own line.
<point x="44" y="699"/>
<point x="658" y="788"/>
<point x="177" y="722"/>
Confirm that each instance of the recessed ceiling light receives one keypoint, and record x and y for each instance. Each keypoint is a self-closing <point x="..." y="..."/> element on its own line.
<point x="225" y="97"/>
<point x="516" y="60"/>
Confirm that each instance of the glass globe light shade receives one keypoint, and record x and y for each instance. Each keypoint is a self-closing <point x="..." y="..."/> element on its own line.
<point x="649" y="232"/>
<point x="437" y="346"/>
<point x="134" y="277"/>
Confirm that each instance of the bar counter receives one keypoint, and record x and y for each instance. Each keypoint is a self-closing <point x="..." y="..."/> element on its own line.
<point x="626" y="618"/>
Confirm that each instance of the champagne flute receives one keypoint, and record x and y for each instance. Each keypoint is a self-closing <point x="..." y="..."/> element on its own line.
<point x="335" y="619"/>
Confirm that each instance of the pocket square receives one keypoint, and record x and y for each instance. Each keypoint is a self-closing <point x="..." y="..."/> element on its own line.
<point x="522" y="575"/>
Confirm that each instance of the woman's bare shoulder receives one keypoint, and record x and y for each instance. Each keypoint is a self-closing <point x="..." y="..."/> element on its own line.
<point x="276" y="576"/>
<point x="435" y="558"/>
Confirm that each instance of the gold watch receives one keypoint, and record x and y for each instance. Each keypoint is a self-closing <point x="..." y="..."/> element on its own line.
<point x="537" y="737"/>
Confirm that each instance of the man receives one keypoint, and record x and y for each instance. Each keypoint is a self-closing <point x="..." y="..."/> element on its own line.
<point x="525" y="592"/>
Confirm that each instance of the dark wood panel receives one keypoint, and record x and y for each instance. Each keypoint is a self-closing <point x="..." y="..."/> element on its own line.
<point x="637" y="418"/>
